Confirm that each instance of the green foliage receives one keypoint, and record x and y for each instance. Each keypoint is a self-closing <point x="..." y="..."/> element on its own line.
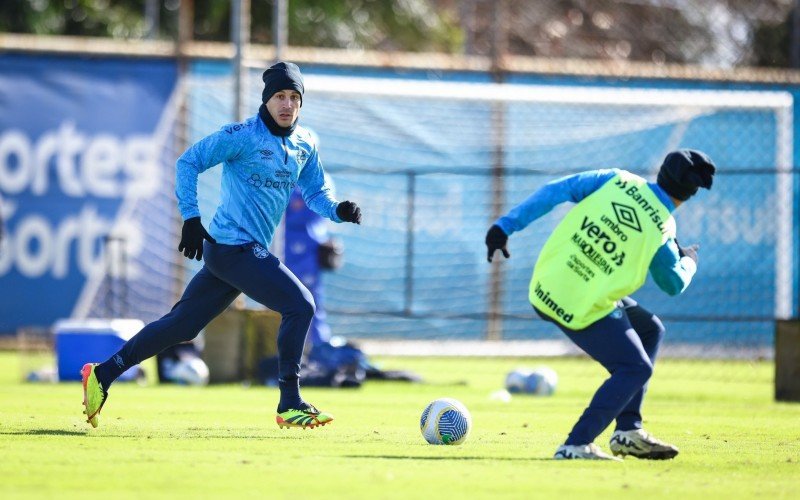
<point x="411" y="25"/>
<point x="222" y="441"/>
<point x="212" y="20"/>
<point x="772" y="44"/>
<point x="106" y="18"/>
<point x="708" y="32"/>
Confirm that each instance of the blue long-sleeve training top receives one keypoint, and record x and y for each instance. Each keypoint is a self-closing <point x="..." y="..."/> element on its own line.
<point x="671" y="272"/>
<point x="259" y="172"/>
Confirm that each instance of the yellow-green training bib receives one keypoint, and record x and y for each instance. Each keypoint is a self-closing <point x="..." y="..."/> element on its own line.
<point x="600" y="252"/>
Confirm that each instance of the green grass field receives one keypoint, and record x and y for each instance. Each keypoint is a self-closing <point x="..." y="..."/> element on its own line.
<point x="735" y="441"/>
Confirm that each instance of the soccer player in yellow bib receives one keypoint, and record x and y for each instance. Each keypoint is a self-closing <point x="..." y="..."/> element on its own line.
<point x="620" y="228"/>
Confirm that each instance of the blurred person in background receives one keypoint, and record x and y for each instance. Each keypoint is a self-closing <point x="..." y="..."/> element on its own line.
<point x="264" y="158"/>
<point x="600" y="252"/>
<point x="309" y="250"/>
<point x="329" y="360"/>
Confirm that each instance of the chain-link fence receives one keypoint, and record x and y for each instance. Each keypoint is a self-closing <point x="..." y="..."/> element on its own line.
<point x="434" y="163"/>
<point x="416" y="268"/>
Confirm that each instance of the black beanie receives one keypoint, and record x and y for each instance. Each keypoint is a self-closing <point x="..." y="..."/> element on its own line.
<point x="684" y="172"/>
<point x="282" y="76"/>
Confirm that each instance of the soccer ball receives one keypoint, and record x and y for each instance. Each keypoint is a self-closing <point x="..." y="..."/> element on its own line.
<point x="190" y="371"/>
<point x="516" y="380"/>
<point x="445" y="421"/>
<point x="541" y="382"/>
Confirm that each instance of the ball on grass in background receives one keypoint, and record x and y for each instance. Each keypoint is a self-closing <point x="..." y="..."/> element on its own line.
<point x="445" y="421"/>
<point x="515" y="380"/>
<point x="189" y="371"/>
<point x="541" y="382"/>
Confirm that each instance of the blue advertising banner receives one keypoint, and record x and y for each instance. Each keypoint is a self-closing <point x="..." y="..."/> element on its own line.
<point x="79" y="170"/>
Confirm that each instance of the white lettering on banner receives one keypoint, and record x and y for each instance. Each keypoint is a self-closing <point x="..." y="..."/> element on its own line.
<point x="33" y="243"/>
<point x="141" y="166"/>
<point x="60" y="145"/>
<point x="14" y="144"/>
<point x="36" y="247"/>
<point x="101" y="160"/>
<point x="78" y="165"/>
<point x="105" y="166"/>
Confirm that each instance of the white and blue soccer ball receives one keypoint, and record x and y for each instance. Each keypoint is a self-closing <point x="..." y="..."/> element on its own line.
<point x="516" y="380"/>
<point x="539" y="382"/>
<point x="445" y="421"/>
<point x="190" y="371"/>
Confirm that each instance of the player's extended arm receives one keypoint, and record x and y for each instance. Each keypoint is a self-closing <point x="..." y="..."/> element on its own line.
<point x="317" y="192"/>
<point x="673" y="266"/>
<point x="201" y="156"/>
<point x="572" y="188"/>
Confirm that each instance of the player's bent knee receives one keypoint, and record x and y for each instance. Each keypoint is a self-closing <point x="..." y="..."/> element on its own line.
<point x="641" y="371"/>
<point x="306" y="308"/>
<point x="659" y="327"/>
<point x="644" y="371"/>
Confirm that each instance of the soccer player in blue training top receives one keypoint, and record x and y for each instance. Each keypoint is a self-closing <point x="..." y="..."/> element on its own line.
<point x="263" y="159"/>
<point x="600" y="252"/>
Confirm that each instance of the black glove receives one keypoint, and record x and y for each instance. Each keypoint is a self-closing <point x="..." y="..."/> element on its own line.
<point x="496" y="239"/>
<point x="192" y="236"/>
<point x="690" y="251"/>
<point x="348" y="211"/>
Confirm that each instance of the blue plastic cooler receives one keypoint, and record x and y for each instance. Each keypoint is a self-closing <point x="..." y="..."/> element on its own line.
<point x="91" y="341"/>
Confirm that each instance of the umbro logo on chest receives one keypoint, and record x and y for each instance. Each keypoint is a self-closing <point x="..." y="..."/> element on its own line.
<point x="266" y="154"/>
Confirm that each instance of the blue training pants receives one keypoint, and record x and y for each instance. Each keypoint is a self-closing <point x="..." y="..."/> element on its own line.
<point x="626" y="343"/>
<point x="229" y="270"/>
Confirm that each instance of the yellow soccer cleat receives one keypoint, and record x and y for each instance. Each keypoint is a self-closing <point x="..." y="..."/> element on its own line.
<point x="309" y="417"/>
<point x="95" y="421"/>
<point x="94" y="396"/>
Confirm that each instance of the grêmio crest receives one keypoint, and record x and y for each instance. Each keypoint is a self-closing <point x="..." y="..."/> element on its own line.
<point x="302" y="156"/>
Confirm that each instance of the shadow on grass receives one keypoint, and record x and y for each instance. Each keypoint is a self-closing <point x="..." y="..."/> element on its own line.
<point x="45" y="432"/>
<point x="412" y="457"/>
<point x="166" y="436"/>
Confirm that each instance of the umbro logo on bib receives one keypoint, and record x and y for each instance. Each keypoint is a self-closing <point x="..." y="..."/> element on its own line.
<point x="627" y="216"/>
